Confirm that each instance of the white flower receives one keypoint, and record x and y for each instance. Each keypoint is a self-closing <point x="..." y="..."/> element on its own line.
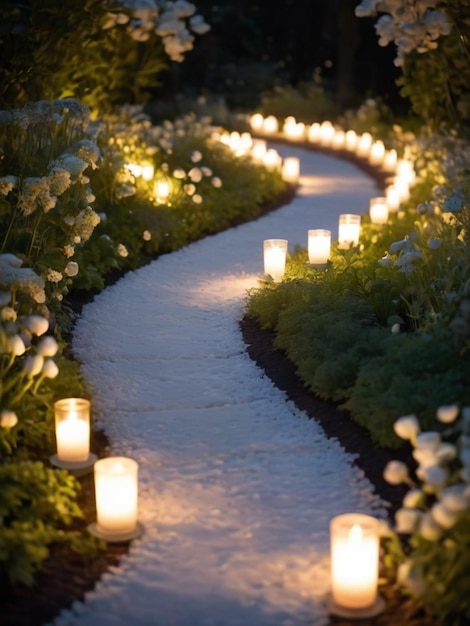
<point x="428" y="441"/>
<point x="32" y="365"/>
<point x="146" y="235"/>
<point x="447" y="414"/>
<point x="429" y="529"/>
<point x="122" y="250"/>
<point x="396" y="472"/>
<point x="8" y="419"/>
<point x="189" y="189"/>
<point x="434" y="478"/>
<point x="407" y="520"/>
<point x="216" y="182"/>
<point x="16" y="345"/>
<point x="71" y="269"/>
<point x="48" y="346"/>
<point x="455" y="498"/>
<point x="425" y="457"/>
<point x="53" y="276"/>
<point x="407" y="427"/>
<point x="7" y="314"/>
<point x="198" y="25"/>
<point x="445" y="453"/>
<point x="444" y="517"/>
<point x="36" y="324"/>
<point x="413" y="499"/>
<point x="197" y="198"/>
<point x="50" y="369"/>
<point x="195" y="174"/>
<point x="396" y="246"/>
<point x="196" y="156"/>
<point x="395" y="329"/>
<point x="179" y="173"/>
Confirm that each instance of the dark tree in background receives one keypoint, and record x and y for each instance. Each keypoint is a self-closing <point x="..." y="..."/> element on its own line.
<point x="253" y="46"/>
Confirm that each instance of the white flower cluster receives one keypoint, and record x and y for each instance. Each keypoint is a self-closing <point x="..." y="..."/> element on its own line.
<point x="410" y="24"/>
<point x="14" y="278"/>
<point x="402" y="254"/>
<point x="434" y="506"/>
<point x="24" y="358"/>
<point x="173" y="21"/>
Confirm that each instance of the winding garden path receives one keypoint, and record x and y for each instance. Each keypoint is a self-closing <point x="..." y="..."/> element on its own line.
<point x="237" y="486"/>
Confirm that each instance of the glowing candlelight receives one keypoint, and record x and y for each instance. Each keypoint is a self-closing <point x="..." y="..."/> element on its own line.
<point x="290" y="169"/>
<point x="363" y="145"/>
<point x="348" y="230"/>
<point x="72" y="429"/>
<point x="354" y="560"/>
<point x="271" y="125"/>
<point x="350" y="140"/>
<point x="256" y="122"/>
<point x="162" y="190"/>
<point x="377" y="153"/>
<point x="116" y="494"/>
<point x="378" y="210"/>
<point x="393" y="198"/>
<point x="339" y="137"/>
<point x="327" y="131"/>
<point x="259" y="149"/>
<point x="390" y="160"/>
<point x="275" y="251"/>
<point x="272" y="159"/>
<point x="148" y="172"/>
<point x="134" y="169"/>
<point x="313" y="134"/>
<point x="319" y="244"/>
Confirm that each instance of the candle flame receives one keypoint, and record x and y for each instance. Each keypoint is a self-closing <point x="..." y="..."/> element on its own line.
<point x="355" y="534"/>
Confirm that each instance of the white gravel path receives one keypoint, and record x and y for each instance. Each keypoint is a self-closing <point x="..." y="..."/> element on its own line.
<point x="237" y="486"/>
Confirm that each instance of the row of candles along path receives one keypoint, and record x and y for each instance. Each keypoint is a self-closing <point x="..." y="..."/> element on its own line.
<point x="319" y="240"/>
<point x="354" y="536"/>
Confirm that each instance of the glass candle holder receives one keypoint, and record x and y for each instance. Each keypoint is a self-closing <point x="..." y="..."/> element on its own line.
<point x="116" y="493"/>
<point x="377" y="153"/>
<point x="349" y="228"/>
<point x="319" y="244"/>
<point x="350" y="140"/>
<point x="378" y="210"/>
<point x="290" y="169"/>
<point x="390" y="160"/>
<point x="363" y="145"/>
<point x="313" y="134"/>
<point x="393" y="198"/>
<point x="72" y="430"/>
<point x="270" y="125"/>
<point x="258" y="149"/>
<point x="275" y="251"/>
<point x="272" y="159"/>
<point x="354" y="548"/>
<point x="256" y="121"/>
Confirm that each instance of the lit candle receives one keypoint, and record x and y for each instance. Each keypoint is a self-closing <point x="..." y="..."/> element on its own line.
<point x="350" y="140"/>
<point x="338" y="139"/>
<point x="378" y="210"/>
<point x="162" y="190"/>
<point x="327" y="131"/>
<point x="275" y="251"/>
<point x="256" y="121"/>
<point x="271" y="125"/>
<point x="314" y="133"/>
<point x="363" y="145"/>
<point x="403" y="188"/>
<point x="377" y="153"/>
<point x="290" y="169"/>
<point x="348" y="230"/>
<point x="148" y="172"/>
<point x="272" y="159"/>
<point x="393" y="198"/>
<point x="135" y="169"/>
<point x="259" y="149"/>
<point x="354" y="560"/>
<point x="319" y="244"/>
<point x="72" y="429"/>
<point x="390" y="160"/>
<point x="116" y="494"/>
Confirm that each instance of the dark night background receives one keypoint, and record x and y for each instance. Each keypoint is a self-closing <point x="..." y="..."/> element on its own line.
<point x="253" y="46"/>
